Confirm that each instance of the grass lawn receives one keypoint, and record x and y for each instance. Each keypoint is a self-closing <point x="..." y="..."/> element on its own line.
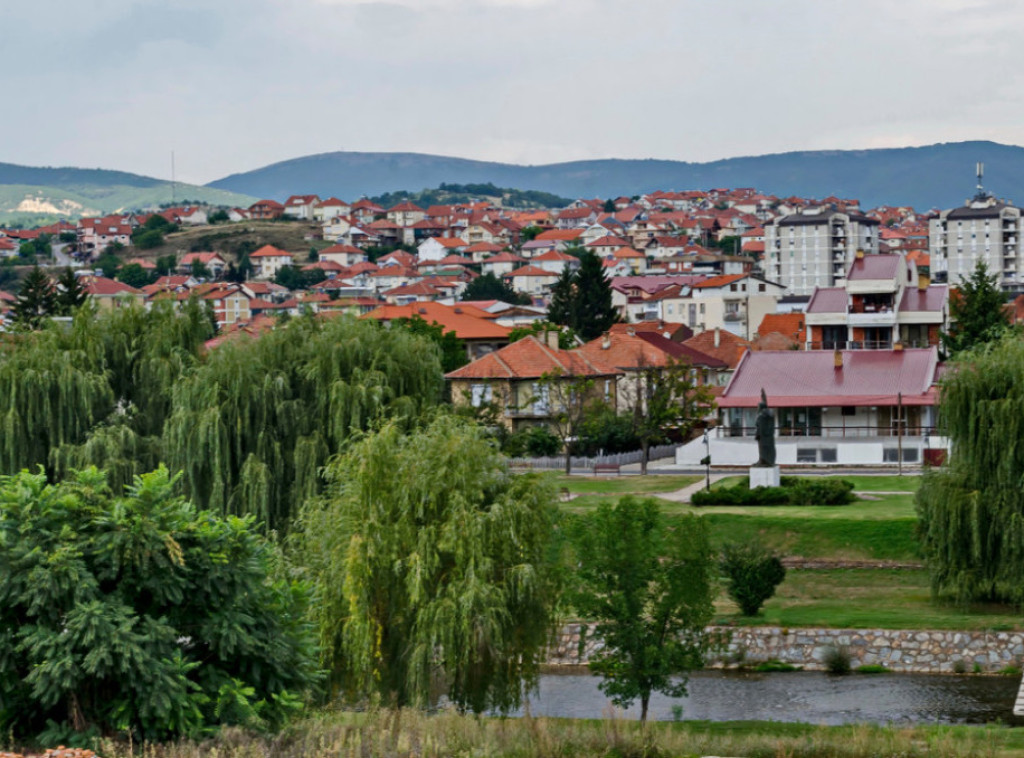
<point x="623" y="485"/>
<point x="873" y="598"/>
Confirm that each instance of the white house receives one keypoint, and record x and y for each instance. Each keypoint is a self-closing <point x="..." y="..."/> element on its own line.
<point x="268" y="260"/>
<point x="301" y="206"/>
<point x="436" y="248"/>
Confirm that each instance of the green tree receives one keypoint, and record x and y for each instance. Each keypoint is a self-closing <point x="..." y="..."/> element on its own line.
<point x="582" y="299"/>
<point x="453" y="350"/>
<point x="540" y="329"/>
<point x="133" y="612"/>
<point x="71" y="295"/>
<point x="134" y="275"/>
<point x="108" y="264"/>
<point x="971" y="511"/>
<point x="529" y="233"/>
<point x="433" y="566"/>
<point x="568" y="400"/>
<point x="218" y="217"/>
<point x="166" y="264"/>
<point x="490" y="287"/>
<point x="664" y="402"/>
<point x="976" y="309"/>
<point x="294" y="278"/>
<point x="200" y="270"/>
<point x="147" y="239"/>
<point x="36" y="299"/>
<point x="753" y="573"/>
<point x="648" y="588"/>
<point x="609" y="206"/>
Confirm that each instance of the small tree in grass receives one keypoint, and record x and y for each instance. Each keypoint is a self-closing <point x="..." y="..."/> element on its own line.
<point x="753" y="574"/>
<point x="647" y="585"/>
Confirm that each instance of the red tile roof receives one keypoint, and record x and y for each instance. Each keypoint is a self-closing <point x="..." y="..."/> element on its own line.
<point x="466" y="321"/>
<point x="529" y="358"/>
<point x="269" y="251"/>
<point x="634" y="351"/>
<point x="792" y="325"/>
<point x="730" y="348"/>
<point x="530" y="271"/>
<point x="719" y="281"/>
<point x="795" y="378"/>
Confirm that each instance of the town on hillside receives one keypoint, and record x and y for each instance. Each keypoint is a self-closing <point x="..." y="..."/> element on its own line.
<point x="834" y="310"/>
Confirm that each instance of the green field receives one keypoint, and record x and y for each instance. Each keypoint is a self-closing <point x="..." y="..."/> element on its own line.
<point x="878" y="531"/>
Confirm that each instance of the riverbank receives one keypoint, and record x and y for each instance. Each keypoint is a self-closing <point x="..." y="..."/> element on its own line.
<point x="898" y="650"/>
<point x="411" y="734"/>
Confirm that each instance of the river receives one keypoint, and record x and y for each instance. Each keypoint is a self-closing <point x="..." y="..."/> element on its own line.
<point x="810" y="697"/>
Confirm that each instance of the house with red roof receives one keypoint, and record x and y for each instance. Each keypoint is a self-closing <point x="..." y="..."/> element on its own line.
<point x="477" y="328"/>
<point x="230" y="304"/>
<point x="531" y="280"/>
<point x="8" y="247"/>
<point x="437" y="248"/>
<point x="266" y="210"/>
<point x="841" y="407"/>
<point x="736" y="303"/>
<point x="525" y="380"/>
<point x="883" y="301"/>
<point x="110" y="293"/>
<point x="268" y="260"/>
<point x="344" y="255"/>
<point x="329" y="209"/>
<point x="406" y="214"/>
<point x="213" y="262"/>
<point x="556" y="261"/>
<point x="301" y="206"/>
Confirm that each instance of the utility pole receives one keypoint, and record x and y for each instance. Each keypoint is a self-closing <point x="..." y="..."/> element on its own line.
<point x="899" y="430"/>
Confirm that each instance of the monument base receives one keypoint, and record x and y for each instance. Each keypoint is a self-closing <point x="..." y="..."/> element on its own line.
<point x="764" y="476"/>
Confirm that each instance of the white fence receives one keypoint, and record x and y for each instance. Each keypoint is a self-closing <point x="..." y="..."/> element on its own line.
<point x="621" y="459"/>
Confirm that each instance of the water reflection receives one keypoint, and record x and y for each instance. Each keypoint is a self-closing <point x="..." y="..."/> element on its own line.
<point x="809" y="697"/>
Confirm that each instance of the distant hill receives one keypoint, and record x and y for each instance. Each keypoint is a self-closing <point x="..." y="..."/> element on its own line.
<point x="933" y="176"/>
<point x="31" y="195"/>
<point x="449" y="194"/>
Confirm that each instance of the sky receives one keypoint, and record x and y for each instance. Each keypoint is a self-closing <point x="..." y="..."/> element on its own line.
<point x="233" y="85"/>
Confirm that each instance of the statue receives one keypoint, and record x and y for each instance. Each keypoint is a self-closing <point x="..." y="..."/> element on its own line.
<point x="765" y="433"/>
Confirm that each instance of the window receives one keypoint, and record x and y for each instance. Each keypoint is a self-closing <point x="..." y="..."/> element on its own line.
<point x="541" y="399"/>
<point x="892" y="455"/>
<point x="829" y="455"/>
<point x="806" y="455"/>
<point x="849" y="410"/>
<point x="761" y="287"/>
<point x="480" y="394"/>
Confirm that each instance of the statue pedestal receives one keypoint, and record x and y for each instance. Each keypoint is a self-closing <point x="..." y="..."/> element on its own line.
<point x="764" y="476"/>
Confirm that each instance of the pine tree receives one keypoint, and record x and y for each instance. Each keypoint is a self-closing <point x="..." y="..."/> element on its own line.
<point x="593" y="312"/>
<point x="36" y="299"/>
<point x="977" y="312"/>
<point x="490" y="287"/>
<point x="70" y="293"/>
<point x="561" y="309"/>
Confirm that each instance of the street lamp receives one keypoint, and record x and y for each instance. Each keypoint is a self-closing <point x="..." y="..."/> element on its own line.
<point x="707" y="462"/>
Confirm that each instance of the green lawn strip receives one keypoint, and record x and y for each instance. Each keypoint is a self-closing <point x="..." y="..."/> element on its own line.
<point x="861" y="483"/>
<point x="867" y="598"/>
<point x="627" y="484"/>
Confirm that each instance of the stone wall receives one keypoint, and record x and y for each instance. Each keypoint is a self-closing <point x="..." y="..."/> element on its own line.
<point x="906" y="650"/>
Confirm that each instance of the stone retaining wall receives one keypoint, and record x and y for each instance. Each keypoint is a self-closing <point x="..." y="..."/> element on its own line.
<point x="907" y="650"/>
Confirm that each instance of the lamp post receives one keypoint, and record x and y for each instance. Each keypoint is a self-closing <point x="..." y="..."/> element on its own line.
<point x="707" y="462"/>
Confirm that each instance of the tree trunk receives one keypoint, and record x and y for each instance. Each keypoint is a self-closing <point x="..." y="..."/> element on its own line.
<point x="645" y="700"/>
<point x="568" y="458"/>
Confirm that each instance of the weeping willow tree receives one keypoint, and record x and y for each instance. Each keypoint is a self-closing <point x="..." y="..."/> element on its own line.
<point x="97" y="393"/>
<point x="252" y="428"/>
<point x="971" y="512"/>
<point x="433" y="568"/>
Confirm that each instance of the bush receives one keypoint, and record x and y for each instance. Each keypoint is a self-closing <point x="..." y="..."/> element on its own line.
<point x="793" y="491"/>
<point x="837" y="660"/>
<point x="604" y="430"/>
<point x="874" y="668"/>
<point x="753" y="573"/>
<point x="531" y="442"/>
<point x="774" y="666"/>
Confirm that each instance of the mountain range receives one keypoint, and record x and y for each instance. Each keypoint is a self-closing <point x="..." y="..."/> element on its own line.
<point x="934" y="176"/>
<point x="938" y="176"/>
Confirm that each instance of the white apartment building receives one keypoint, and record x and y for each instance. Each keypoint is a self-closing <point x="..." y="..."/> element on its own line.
<point x="816" y="247"/>
<point x="983" y="229"/>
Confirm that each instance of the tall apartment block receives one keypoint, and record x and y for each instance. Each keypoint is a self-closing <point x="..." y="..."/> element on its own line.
<point x="816" y="247"/>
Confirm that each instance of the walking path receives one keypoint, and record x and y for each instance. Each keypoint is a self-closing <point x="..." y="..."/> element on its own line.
<point x="684" y="495"/>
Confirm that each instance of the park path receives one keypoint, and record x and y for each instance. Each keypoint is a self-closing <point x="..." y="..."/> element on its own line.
<point x="684" y="495"/>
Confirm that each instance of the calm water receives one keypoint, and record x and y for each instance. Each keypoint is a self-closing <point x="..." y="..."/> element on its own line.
<point x="810" y="697"/>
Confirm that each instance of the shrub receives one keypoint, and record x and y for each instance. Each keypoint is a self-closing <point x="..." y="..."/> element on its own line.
<point x="837" y="660"/>
<point x="773" y="666"/>
<point x="873" y="668"/>
<point x="793" y="491"/>
<point x="753" y="573"/>
<point x="959" y="666"/>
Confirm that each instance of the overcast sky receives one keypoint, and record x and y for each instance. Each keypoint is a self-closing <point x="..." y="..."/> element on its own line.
<point x="232" y="85"/>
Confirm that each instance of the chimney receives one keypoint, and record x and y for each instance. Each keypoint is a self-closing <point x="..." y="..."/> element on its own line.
<point x="551" y="337"/>
<point x="837" y="360"/>
<point x="606" y="341"/>
<point x="718" y="337"/>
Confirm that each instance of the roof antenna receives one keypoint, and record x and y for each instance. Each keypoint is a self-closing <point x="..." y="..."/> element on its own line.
<point x="981" y="194"/>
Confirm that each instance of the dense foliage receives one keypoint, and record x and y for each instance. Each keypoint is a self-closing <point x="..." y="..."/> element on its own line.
<point x="582" y="299"/>
<point x="250" y="424"/>
<point x="971" y="512"/>
<point x="466" y="193"/>
<point x="648" y="588"/>
<point x="490" y="287"/>
<point x="976" y="310"/>
<point x="752" y="574"/>
<point x="432" y="568"/>
<point x="793" y="491"/>
<point x="137" y="613"/>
